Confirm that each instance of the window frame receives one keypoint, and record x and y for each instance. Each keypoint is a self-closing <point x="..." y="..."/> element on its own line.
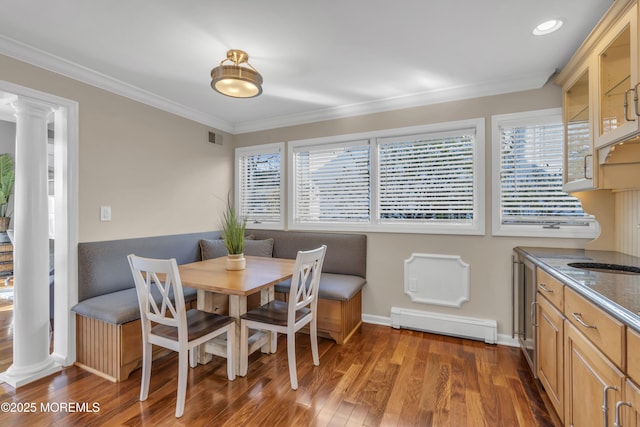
<point x="529" y="118"/>
<point x="475" y="227"/>
<point x="273" y="148"/>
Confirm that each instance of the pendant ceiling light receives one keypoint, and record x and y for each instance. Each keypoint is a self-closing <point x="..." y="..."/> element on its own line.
<point x="236" y="80"/>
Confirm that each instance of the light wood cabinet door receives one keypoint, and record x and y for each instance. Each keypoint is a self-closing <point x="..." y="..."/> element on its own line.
<point x="549" y="352"/>
<point x="591" y="382"/>
<point x="633" y="355"/>
<point x="617" y="64"/>
<point x="628" y="410"/>
<point x="579" y="161"/>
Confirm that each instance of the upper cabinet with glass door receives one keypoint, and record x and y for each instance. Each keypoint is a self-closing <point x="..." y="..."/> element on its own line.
<point x="578" y="127"/>
<point x="617" y="109"/>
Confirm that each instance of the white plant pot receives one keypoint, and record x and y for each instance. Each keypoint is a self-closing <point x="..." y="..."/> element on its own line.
<point x="235" y="262"/>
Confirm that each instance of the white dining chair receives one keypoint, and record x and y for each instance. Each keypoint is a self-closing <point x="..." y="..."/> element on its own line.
<point x="289" y="317"/>
<point x="175" y="327"/>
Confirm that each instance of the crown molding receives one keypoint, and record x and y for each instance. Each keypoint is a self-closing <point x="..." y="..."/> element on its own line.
<point x="529" y="81"/>
<point x="47" y="61"/>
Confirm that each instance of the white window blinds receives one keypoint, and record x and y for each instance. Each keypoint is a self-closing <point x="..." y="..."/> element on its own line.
<point x="427" y="178"/>
<point x="531" y="162"/>
<point x="332" y="183"/>
<point x="259" y="185"/>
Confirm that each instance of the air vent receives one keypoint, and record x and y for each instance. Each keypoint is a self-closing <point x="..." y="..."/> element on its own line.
<point x="215" y="138"/>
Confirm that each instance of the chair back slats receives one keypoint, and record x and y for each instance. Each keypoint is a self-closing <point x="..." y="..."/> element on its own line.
<point x="161" y="277"/>
<point x="305" y="281"/>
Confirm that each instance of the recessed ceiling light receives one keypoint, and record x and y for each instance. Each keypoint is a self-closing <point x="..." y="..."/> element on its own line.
<point x="548" y="27"/>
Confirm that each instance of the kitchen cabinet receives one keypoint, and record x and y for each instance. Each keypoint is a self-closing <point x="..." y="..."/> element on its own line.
<point x="605" y="332"/>
<point x="549" y="352"/>
<point x="628" y="410"/>
<point x="601" y="101"/>
<point x="633" y="355"/>
<point x="550" y="338"/>
<point x="593" y="384"/>
<point x="596" y="313"/>
<point x="617" y="59"/>
<point x="579" y="160"/>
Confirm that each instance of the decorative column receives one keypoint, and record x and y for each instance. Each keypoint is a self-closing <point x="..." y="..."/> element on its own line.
<point x="31" y="357"/>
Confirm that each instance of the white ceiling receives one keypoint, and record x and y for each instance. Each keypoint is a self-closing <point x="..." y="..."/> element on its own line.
<point x="319" y="60"/>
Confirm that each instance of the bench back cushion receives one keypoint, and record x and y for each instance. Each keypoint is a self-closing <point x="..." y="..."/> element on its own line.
<point x="103" y="267"/>
<point x="346" y="253"/>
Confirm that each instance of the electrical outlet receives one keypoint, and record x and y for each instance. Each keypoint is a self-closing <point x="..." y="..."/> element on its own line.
<point x="105" y="213"/>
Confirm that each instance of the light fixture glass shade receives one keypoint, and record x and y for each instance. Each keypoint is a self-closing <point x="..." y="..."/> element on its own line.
<point x="235" y="80"/>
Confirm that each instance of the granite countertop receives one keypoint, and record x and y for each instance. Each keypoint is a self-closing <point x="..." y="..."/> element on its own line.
<point x="616" y="293"/>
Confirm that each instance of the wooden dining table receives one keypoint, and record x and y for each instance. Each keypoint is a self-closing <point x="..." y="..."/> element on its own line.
<point x="210" y="277"/>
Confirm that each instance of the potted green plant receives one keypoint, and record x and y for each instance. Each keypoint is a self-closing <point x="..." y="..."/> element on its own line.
<point x="7" y="179"/>
<point x="232" y="231"/>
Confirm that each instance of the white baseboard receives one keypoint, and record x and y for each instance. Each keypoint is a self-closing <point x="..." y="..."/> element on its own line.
<point x="502" y="339"/>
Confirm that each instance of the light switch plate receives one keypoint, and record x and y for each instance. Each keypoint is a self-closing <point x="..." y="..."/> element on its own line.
<point x="105" y="213"/>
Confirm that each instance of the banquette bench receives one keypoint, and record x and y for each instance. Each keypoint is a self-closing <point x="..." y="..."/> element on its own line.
<point x="108" y="333"/>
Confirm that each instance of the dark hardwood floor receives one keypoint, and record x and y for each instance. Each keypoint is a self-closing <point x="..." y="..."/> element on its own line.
<point x="381" y="377"/>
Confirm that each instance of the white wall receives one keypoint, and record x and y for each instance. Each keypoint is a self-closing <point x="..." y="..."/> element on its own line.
<point x="157" y="171"/>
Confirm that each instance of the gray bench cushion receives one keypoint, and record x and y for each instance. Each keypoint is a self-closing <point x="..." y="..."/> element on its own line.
<point x="120" y="306"/>
<point x="341" y="287"/>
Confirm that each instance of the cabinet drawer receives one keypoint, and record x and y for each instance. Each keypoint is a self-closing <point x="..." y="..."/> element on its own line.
<point x="633" y="355"/>
<point x="551" y="288"/>
<point x="602" y="330"/>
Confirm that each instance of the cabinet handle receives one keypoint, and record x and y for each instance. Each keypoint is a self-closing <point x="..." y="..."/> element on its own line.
<point x="533" y="314"/>
<point x="585" y="166"/>
<point x="544" y="288"/>
<point x="620" y="404"/>
<point x="578" y="317"/>
<point x="626" y="104"/>
<point x="605" y="409"/>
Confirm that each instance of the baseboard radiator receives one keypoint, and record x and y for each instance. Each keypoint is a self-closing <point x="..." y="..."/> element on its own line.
<point x="465" y="327"/>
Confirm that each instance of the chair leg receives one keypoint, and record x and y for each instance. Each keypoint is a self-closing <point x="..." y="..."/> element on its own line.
<point x="231" y="353"/>
<point x="274" y="342"/>
<point x="146" y="370"/>
<point x="183" y="370"/>
<point x="244" y="348"/>
<point x="192" y="356"/>
<point x="314" y="342"/>
<point x="291" y="352"/>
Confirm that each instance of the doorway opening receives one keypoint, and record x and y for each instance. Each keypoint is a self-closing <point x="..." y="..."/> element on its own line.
<point x="63" y="210"/>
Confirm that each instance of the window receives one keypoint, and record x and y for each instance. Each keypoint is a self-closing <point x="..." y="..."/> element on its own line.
<point x="425" y="179"/>
<point x="332" y="183"/>
<point x="259" y="185"/>
<point x="528" y="166"/>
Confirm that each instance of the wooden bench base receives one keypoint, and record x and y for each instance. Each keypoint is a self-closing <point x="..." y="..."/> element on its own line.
<point x="337" y="320"/>
<point x="109" y="350"/>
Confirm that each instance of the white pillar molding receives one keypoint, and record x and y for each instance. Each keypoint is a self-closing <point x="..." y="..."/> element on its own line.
<point x="31" y="357"/>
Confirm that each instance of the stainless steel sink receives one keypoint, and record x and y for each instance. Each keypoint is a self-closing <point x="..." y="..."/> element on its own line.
<point x="606" y="268"/>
